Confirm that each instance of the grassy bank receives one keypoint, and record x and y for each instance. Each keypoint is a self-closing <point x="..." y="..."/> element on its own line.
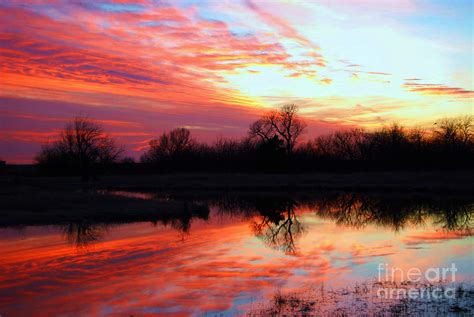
<point x="369" y="299"/>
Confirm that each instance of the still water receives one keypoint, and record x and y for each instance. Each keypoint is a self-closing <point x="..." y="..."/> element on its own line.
<point x="226" y="254"/>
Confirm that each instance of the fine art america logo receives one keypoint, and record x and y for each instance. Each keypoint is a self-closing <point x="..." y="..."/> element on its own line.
<point x="413" y="283"/>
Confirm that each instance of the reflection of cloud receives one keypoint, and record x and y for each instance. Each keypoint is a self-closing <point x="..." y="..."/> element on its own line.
<point x="144" y="264"/>
<point x="435" y="237"/>
<point x="362" y="253"/>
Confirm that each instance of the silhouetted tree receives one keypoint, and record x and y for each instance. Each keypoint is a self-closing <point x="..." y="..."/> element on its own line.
<point x="3" y="165"/>
<point x="342" y="145"/>
<point x="230" y="155"/>
<point x="446" y="130"/>
<point x="466" y="129"/>
<point x="389" y="145"/>
<point x="417" y="137"/>
<point x="127" y="160"/>
<point x="270" y="155"/>
<point x="169" y="145"/>
<point x="283" y="123"/>
<point x="453" y="140"/>
<point x="272" y="146"/>
<point x="455" y="131"/>
<point x="262" y="129"/>
<point x="83" y="146"/>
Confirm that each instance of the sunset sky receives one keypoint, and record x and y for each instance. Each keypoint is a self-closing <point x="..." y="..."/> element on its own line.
<point x="143" y="67"/>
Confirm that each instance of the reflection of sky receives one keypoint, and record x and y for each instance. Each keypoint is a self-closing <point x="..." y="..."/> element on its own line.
<point x="219" y="266"/>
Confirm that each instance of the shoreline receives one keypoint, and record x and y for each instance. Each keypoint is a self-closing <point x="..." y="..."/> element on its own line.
<point x="49" y="200"/>
<point x="63" y="201"/>
<point x="389" y="181"/>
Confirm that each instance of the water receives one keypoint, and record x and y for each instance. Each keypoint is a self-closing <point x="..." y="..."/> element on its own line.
<point x="228" y="254"/>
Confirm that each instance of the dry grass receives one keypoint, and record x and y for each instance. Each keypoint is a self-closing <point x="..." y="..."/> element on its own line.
<point x="364" y="300"/>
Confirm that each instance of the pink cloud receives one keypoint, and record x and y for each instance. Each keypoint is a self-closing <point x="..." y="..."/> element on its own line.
<point x="438" y="90"/>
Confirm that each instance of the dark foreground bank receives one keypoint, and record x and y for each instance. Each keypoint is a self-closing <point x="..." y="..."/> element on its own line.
<point x="29" y="205"/>
<point x="56" y="200"/>
<point x="398" y="181"/>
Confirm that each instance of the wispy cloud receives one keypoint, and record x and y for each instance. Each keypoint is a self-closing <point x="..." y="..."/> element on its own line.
<point x="438" y="90"/>
<point x="283" y="27"/>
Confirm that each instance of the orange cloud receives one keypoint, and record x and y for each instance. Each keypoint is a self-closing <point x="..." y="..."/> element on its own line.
<point x="326" y="81"/>
<point x="435" y="237"/>
<point x="438" y="90"/>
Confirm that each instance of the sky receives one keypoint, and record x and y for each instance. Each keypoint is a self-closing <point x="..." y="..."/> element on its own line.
<point x="146" y="66"/>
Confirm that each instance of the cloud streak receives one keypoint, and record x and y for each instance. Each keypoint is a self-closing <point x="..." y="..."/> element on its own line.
<point x="438" y="90"/>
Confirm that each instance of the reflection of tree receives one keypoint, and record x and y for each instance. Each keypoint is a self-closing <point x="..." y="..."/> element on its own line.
<point x="278" y="225"/>
<point x="182" y="221"/>
<point x="82" y="234"/>
<point x="358" y="210"/>
<point x="455" y="216"/>
<point x="274" y="217"/>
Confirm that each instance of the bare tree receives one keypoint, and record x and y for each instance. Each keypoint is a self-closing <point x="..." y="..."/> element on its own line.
<point x="82" y="145"/>
<point x="446" y="130"/>
<point x="466" y="129"/>
<point x="180" y="139"/>
<point x="171" y="144"/>
<point x="262" y="129"/>
<point x="283" y="123"/>
<point x="342" y="145"/>
<point x="417" y="137"/>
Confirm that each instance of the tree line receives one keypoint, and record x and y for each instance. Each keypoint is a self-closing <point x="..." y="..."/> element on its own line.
<point x="273" y="144"/>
